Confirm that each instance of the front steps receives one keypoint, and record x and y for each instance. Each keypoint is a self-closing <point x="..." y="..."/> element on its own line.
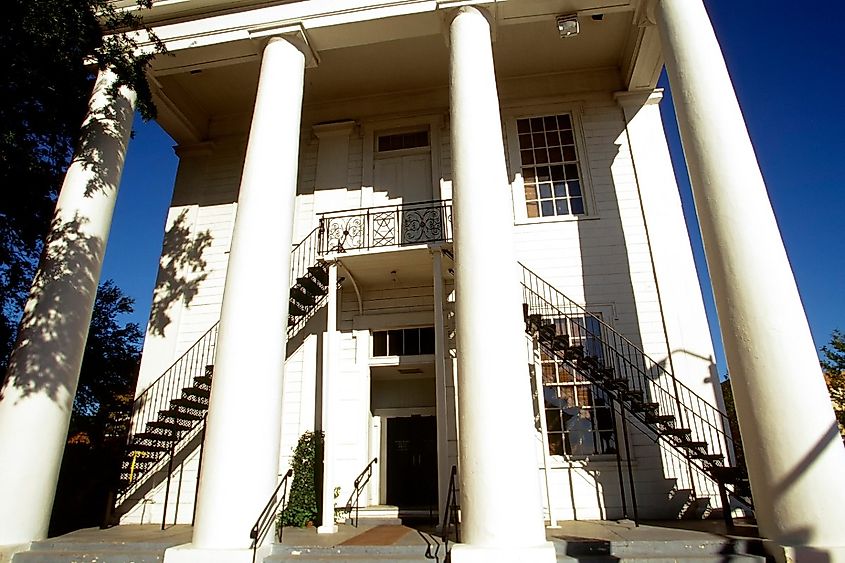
<point x="574" y="541"/>
<point x="120" y="544"/>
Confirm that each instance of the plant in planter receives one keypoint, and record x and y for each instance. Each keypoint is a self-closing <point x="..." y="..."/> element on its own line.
<point x="302" y="502"/>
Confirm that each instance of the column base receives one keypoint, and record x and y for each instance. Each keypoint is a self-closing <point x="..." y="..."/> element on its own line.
<point x="805" y="553"/>
<point x="329" y="529"/>
<point x="8" y="551"/>
<point x="467" y="553"/>
<point x="189" y="553"/>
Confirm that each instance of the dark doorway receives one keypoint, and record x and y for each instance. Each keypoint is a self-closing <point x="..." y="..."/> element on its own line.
<point x="412" y="465"/>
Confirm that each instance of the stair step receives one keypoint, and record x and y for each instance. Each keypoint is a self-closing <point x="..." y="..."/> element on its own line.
<point x="156" y="437"/>
<point x="619" y="383"/>
<point x="693" y="445"/>
<point x="189" y="404"/>
<point x="203" y="380"/>
<point x="658" y="418"/>
<point x="639" y="406"/>
<point x="560" y="342"/>
<point x="296" y="309"/>
<point x="728" y="474"/>
<point x="158" y="447"/>
<point x="676" y="431"/>
<point x="634" y="394"/>
<point x="188" y="392"/>
<point x="302" y="296"/>
<point x="179" y="415"/>
<point x="320" y="273"/>
<point x="548" y="332"/>
<point x="311" y="286"/>
<point x="175" y="426"/>
<point x="707" y="457"/>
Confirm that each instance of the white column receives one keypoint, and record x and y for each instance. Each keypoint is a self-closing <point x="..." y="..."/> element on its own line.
<point x="501" y="503"/>
<point x="241" y="454"/>
<point x="443" y="470"/>
<point x="37" y="395"/>
<point x="795" y="456"/>
<point x="328" y="526"/>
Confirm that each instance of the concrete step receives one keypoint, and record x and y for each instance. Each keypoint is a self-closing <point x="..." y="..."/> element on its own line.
<point x="92" y="556"/>
<point x="659" y="551"/>
<point x="121" y="544"/>
<point x="359" y="553"/>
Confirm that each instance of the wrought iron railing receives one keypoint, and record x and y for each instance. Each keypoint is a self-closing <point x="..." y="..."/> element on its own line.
<point x="304" y="255"/>
<point x="168" y="386"/>
<point x="358" y="487"/>
<point x="451" y="518"/>
<point x="674" y="404"/>
<point x="267" y="518"/>
<point x="386" y="226"/>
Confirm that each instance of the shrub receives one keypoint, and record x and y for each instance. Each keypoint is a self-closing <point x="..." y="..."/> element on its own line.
<point x="302" y="503"/>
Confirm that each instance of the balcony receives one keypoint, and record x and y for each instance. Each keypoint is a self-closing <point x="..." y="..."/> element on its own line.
<point x="389" y="227"/>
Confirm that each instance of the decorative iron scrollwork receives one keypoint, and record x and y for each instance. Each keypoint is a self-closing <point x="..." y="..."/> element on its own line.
<point x="344" y="233"/>
<point x="379" y="227"/>
<point x="384" y="228"/>
<point x="422" y="225"/>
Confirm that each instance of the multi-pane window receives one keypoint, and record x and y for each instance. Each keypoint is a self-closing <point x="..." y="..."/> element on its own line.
<point x="553" y="184"/>
<point x="403" y="342"/>
<point x="402" y="141"/>
<point x="578" y="415"/>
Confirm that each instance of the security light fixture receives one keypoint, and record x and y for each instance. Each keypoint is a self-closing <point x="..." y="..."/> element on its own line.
<point x="568" y="26"/>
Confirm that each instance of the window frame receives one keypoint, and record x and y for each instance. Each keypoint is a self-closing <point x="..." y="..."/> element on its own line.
<point x="604" y="313"/>
<point x="514" y="160"/>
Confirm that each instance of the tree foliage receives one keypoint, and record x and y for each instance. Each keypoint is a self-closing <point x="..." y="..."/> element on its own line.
<point x="100" y="419"/>
<point x="104" y="395"/>
<point x="833" y="366"/>
<point x="52" y="50"/>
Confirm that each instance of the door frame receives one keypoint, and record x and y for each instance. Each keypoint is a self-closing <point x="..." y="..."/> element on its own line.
<point x="378" y="431"/>
<point x="432" y="122"/>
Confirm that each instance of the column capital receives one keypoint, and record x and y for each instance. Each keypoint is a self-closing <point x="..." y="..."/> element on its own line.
<point x="645" y="16"/>
<point x="638" y="98"/>
<point x="450" y="9"/>
<point x="294" y="34"/>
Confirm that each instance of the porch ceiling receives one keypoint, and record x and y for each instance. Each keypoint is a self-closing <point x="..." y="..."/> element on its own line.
<point x="200" y="84"/>
<point x="399" y="268"/>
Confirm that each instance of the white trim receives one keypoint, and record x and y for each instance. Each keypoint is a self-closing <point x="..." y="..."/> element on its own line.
<point x="372" y="128"/>
<point x="514" y="162"/>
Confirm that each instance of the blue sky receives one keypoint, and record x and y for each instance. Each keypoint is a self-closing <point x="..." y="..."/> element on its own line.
<point x="788" y="75"/>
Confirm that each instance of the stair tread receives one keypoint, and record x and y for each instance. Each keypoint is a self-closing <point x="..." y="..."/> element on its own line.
<point x="196" y="392"/>
<point x="179" y="414"/>
<point x="188" y="403"/>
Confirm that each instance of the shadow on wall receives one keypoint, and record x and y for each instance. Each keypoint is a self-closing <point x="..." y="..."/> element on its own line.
<point x="181" y="271"/>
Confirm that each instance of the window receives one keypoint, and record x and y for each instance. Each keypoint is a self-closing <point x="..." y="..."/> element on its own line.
<point x="401" y="141"/>
<point x="578" y="415"/>
<point x="550" y="166"/>
<point x="404" y="342"/>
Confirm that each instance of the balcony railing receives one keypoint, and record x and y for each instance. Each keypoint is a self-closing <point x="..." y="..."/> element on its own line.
<point x="387" y="226"/>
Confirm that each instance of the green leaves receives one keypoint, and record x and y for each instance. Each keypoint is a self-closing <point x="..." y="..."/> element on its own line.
<point x="302" y="503"/>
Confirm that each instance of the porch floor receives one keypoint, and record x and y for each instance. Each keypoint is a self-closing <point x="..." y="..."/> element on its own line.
<point x="573" y="540"/>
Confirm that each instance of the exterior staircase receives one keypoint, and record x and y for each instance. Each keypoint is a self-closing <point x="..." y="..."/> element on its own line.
<point x="170" y="414"/>
<point x="644" y="392"/>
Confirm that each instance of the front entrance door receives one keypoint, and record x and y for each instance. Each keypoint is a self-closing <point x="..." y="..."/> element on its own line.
<point x="412" y="463"/>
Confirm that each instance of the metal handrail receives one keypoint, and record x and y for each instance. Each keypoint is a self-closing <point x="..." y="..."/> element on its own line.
<point x="267" y="517"/>
<point x="358" y="486"/>
<point x="611" y="350"/>
<point x="633" y="363"/>
<point x="386" y="226"/>
<point x="450" y="516"/>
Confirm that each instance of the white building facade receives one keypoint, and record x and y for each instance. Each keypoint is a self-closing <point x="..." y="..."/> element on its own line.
<point x="448" y="234"/>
